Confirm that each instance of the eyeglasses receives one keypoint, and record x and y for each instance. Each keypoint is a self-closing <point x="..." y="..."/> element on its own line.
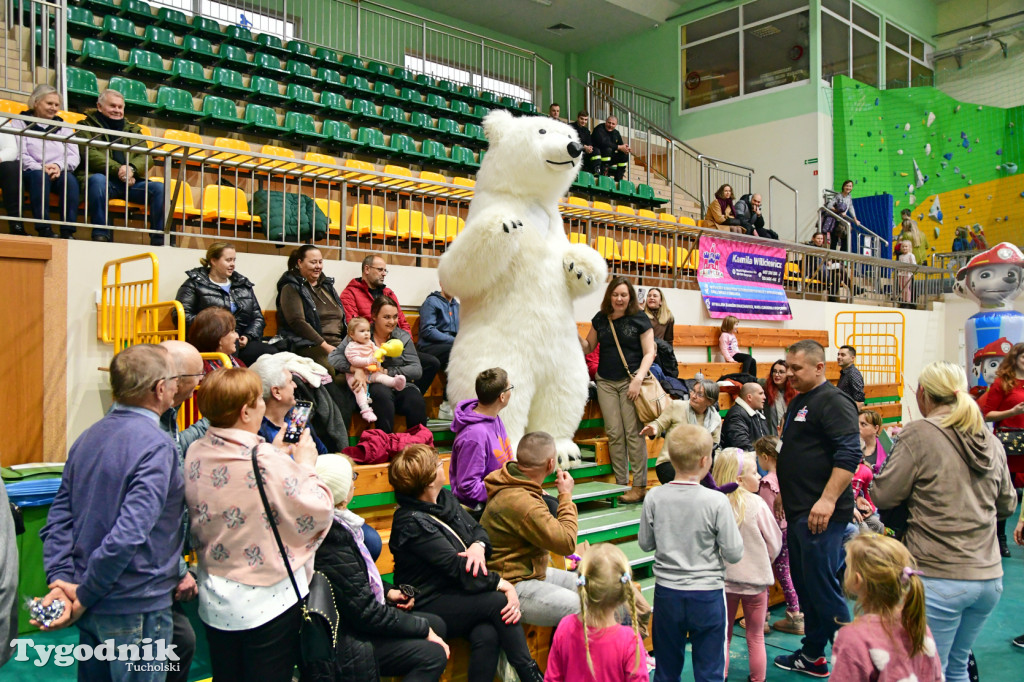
<point x="508" y="389"/>
<point x="157" y="382"/>
<point x="382" y="271"/>
<point x="197" y="375"/>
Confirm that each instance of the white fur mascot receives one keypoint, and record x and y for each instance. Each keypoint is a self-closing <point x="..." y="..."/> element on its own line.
<point x="516" y="275"/>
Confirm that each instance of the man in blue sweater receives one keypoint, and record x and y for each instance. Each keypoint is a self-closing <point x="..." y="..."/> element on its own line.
<point x="113" y="536"/>
<point x="439" y="323"/>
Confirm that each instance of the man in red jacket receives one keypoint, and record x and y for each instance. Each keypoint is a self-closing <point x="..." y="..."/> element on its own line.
<point x="357" y="299"/>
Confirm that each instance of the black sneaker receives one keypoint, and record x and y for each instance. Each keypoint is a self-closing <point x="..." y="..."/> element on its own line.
<point x="797" y="662"/>
<point x="1018" y="641"/>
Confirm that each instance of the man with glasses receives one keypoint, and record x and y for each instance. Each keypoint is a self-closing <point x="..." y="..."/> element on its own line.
<point x="113" y="538"/>
<point x="358" y="296"/>
<point x="748" y="212"/>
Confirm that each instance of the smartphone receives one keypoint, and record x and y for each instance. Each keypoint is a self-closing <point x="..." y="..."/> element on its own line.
<point x="296" y="421"/>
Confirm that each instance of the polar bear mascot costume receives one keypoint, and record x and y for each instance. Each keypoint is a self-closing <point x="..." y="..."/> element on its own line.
<point x="516" y="275"/>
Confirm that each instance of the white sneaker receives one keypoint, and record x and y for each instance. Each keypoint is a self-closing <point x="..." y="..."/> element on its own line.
<point x="444" y="412"/>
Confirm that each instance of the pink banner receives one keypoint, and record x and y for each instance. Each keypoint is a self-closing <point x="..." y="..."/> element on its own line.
<point x="743" y="280"/>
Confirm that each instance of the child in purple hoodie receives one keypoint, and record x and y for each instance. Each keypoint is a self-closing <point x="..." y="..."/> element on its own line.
<point x="481" y="443"/>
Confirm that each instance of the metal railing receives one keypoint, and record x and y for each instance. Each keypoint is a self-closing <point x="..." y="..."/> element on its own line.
<point x="718" y="172"/>
<point x="828" y="211"/>
<point x="28" y="61"/>
<point x="879" y="337"/>
<point x="121" y="298"/>
<point x="796" y="205"/>
<point x="410" y="219"/>
<point x="652" y="106"/>
<point x="156" y="322"/>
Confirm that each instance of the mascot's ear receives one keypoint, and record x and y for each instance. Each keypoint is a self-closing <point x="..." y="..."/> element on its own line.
<point x="494" y="124"/>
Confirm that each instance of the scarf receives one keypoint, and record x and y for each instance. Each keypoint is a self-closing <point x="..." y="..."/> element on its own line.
<point x="726" y="206"/>
<point x="116" y="155"/>
<point x="351" y="522"/>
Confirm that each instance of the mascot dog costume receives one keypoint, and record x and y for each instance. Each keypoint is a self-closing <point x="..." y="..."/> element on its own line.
<point x="516" y="275"/>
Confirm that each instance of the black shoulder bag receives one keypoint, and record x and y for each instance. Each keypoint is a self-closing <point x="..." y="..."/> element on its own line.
<point x="319" y="633"/>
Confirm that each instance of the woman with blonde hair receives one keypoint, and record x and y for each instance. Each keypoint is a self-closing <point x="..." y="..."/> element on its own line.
<point x="593" y="645"/>
<point x="910" y="232"/>
<point x="662" y="320"/>
<point x="950" y="455"/>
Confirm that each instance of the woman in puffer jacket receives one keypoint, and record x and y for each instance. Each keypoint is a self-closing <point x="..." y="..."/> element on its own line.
<point x="217" y="284"/>
<point x="378" y="633"/>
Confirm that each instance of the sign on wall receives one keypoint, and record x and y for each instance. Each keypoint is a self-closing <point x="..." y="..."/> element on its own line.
<point x="744" y="280"/>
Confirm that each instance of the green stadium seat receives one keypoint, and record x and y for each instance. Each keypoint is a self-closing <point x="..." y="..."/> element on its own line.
<point x="301" y="126"/>
<point x="238" y="35"/>
<point x="479" y="111"/>
<point x="331" y="101"/>
<point x="404" y="147"/>
<point x="394" y="118"/>
<point x="413" y="100"/>
<point x="425" y="81"/>
<point x="604" y="185"/>
<point x="434" y="151"/>
<point x="301" y="72"/>
<point x="507" y="103"/>
<point x="386" y="92"/>
<point x="188" y="71"/>
<point x="175" y="103"/>
<point x="358" y="84"/>
<point x="135" y="95"/>
<point x="374" y="140"/>
<point x="363" y="110"/>
<point x="220" y="110"/>
<point x="138" y="11"/>
<point x="234" y="57"/>
<point x="82" y="84"/>
<point x="625" y="189"/>
<point x="268" y="65"/>
<point x="262" y="119"/>
<point x="475" y="131"/>
<point x="382" y="73"/>
<point x="445" y="87"/>
<point x="301" y="97"/>
<point x="584" y="180"/>
<point x="51" y="34"/>
<point x="488" y="98"/>
<point x="207" y="28"/>
<point x="461" y="110"/>
<point x="436" y="102"/>
<point x="327" y="56"/>
<point x="271" y="44"/>
<point x="228" y="82"/>
<point x="448" y="131"/>
<point x="120" y="31"/>
<point x="161" y="40"/>
<point x="354" y="65"/>
<point x="330" y="78"/>
<point x="421" y="122"/>
<point x="146" y="63"/>
<point x="267" y="90"/>
<point x="528" y="108"/>
<point x="468" y="91"/>
<point x="101" y="53"/>
<point x="172" y="19"/>
<point x="462" y="156"/>
<point x="403" y="76"/>
<point x="302" y="52"/>
<point x="82" y="22"/>
<point x="199" y="49"/>
<point x="339" y="136"/>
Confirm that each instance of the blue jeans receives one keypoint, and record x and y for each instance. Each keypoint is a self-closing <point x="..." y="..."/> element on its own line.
<point x="131" y="629"/>
<point x="695" y="614"/>
<point x="814" y="564"/>
<point x="100" y="189"/>
<point x="957" y="610"/>
<point x="39" y="186"/>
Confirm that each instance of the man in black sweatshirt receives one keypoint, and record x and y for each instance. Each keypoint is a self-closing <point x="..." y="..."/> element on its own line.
<point x="591" y="156"/>
<point x="614" y="152"/>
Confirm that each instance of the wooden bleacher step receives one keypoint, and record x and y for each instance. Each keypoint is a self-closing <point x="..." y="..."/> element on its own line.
<point x="638" y="558"/>
<point x="589" y="491"/>
<point x="647" y="589"/>
<point x="604" y="523"/>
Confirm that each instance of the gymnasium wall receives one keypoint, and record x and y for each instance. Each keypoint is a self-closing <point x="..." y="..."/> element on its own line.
<point x="967" y="158"/>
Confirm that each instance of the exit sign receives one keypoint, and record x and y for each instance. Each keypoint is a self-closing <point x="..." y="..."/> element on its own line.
<point x="808" y="162"/>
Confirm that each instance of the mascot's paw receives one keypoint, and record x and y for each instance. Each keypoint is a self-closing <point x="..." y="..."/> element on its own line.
<point x="584" y="269"/>
<point x="567" y="453"/>
<point x="511" y="226"/>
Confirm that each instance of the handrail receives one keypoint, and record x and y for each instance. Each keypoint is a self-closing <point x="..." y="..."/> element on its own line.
<point x="849" y="227"/>
<point x="665" y="98"/>
<point x="796" y="205"/>
<point x="728" y="163"/>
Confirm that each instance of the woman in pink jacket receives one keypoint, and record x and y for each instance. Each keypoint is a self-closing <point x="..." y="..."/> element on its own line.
<point x="47" y="163"/>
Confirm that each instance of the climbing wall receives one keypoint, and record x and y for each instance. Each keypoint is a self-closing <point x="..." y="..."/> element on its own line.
<point x="954" y="164"/>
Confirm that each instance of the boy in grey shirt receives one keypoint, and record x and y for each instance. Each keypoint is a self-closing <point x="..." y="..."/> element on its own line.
<point x="693" y="532"/>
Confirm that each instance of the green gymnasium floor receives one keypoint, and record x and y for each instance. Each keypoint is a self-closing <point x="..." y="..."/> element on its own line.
<point x="998" y="660"/>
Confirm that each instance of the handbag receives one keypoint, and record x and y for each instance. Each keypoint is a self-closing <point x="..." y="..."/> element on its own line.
<point x="319" y="631"/>
<point x="652" y="400"/>
<point x="1012" y="440"/>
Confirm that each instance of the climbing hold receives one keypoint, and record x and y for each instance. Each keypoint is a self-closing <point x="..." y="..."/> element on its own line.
<point x="851" y="121"/>
<point x="956" y="169"/>
<point x="928" y="149"/>
<point x="990" y="197"/>
<point x="962" y="206"/>
<point x="911" y="199"/>
<point x="903" y="175"/>
<point x="979" y="106"/>
<point x="910" y="188"/>
<point x="969" y="210"/>
<point x="999" y="152"/>
<point x="931" y="119"/>
<point x="869" y="133"/>
<point x="967" y="196"/>
<point x="948" y="156"/>
<point x="900" y="152"/>
<point x="876" y="167"/>
<point x="918" y="174"/>
<point x="957" y="110"/>
<point x="896" y="203"/>
<point x="882" y="140"/>
<point x="906" y="127"/>
<point x="935" y="212"/>
<point x="965" y="143"/>
<point x="876" y="102"/>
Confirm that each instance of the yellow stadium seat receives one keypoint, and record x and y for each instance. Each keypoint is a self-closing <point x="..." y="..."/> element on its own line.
<point x="227" y="205"/>
<point x="601" y="206"/>
<point x="120" y="205"/>
<point x="646" y="215"/>
<point x="608" y="248"/>
<point x="184" y="207"/>
<point x="370" y="220"/>
<point x="71" y="116"/>
<point x="447" y="227"/>
<point x="232" y="157"/>
<point x="8" y="106"/>
<point x="355" y="170"/>
<point x="633" y="251"/>
<point x="667" y="218"/>
<point x="657" y="255"/>
<point x="577" y="206"/>
<point x="468" y="183"/>
<point x="577" y="238"/>
<point x="271" y="150"/>
<point x="687" y="220"/>
<point x="395" y="183"/>
<point x="332" y="209"/>
<point x="182" y="136"/>
<point x="412" y="225"/>
<point x="145" y="130"/>
<point x="682" y="253"/>
<point x="324" y="159"/>
<point x="625" y="210"/>
<point x="430" y="180"/>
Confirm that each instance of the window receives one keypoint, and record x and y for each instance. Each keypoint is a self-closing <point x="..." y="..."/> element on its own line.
<point x="759" y="46"/>
<point x="464" y="77"/>
<point x="254" y="21"/>
<point x="865" y="58"/>
<point x="835" y="47"/>
<point x="905" y="59"/>
<point x="849" y="43"/>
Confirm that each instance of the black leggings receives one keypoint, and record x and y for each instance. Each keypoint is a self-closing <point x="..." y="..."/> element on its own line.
<point x="748" y="362"/>
<point x="387" y="401"/>
<point x="253" y="350"/>
<point x="268" y="652"/>
<point x="477" y="618"/>
<point x="414" y="660"/>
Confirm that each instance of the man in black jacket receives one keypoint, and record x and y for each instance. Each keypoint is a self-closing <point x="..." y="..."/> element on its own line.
<point x="591" y="157"/>
<point x="614" y="152"/>
<point x="745" y="422"/>
<point x="748" y="212"/>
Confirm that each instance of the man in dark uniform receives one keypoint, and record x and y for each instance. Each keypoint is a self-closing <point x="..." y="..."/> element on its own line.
<point x="614" y="152"/>
<point x="591" y="156"/>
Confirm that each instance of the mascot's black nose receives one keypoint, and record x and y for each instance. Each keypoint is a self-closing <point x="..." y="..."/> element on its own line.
<point x="574" y="149"/>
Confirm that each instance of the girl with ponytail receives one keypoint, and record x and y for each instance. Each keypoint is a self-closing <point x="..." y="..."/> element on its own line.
<point x="889" y="637"/>
<point x="592" y="646"/>
<point x="950" y="472"/>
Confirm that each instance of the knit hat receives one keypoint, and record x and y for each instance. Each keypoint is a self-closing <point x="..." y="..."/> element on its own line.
<point x="336" y="473"/>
